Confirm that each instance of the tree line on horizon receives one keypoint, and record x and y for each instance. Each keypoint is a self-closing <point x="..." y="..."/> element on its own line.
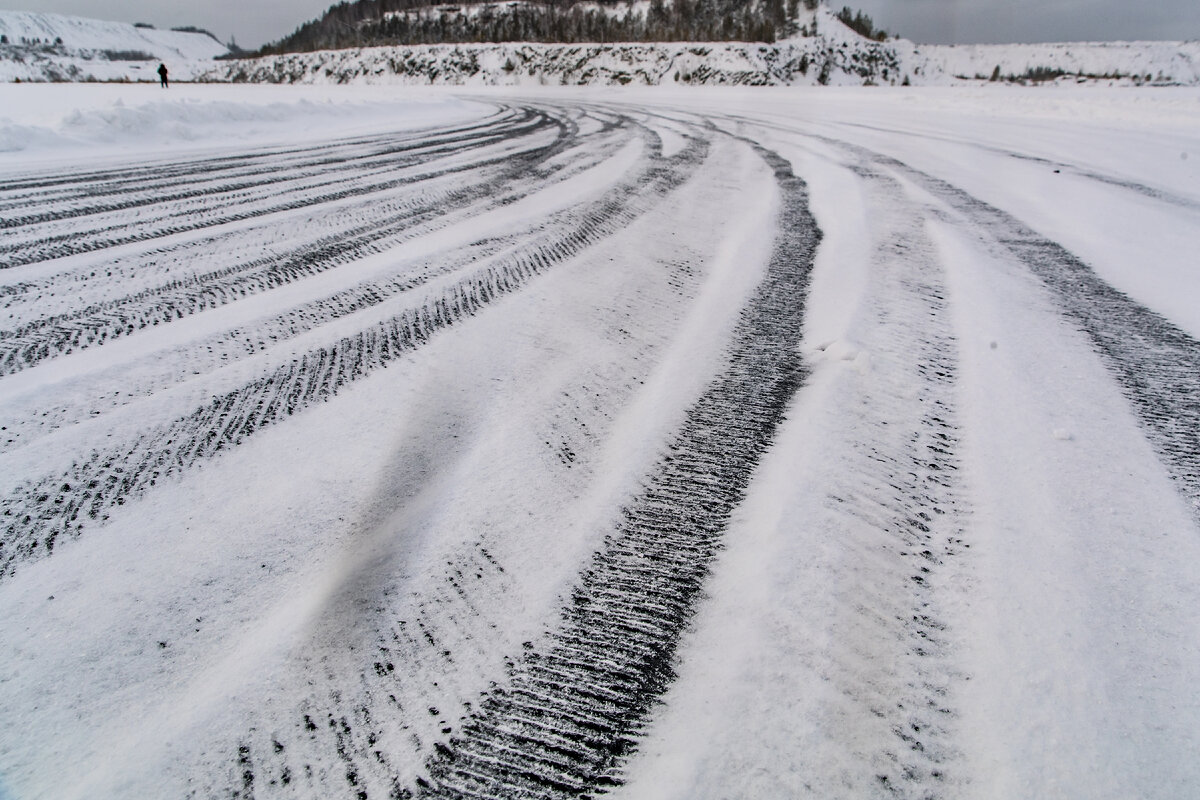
<point x="365" y="23"/>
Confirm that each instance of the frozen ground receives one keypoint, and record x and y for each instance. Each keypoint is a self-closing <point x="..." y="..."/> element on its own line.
<point x="697" y="444"/>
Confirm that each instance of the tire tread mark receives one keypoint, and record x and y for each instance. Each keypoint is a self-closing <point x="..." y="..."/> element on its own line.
<point x="1155" y="363"/>
<point x="37" y="514"/>
<point x="572" y="709"/>
<point x="74" y="242"/>
<point x="64" y="333"/>
<point x="16" y="194"/>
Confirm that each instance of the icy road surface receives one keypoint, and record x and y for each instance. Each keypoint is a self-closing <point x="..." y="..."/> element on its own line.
<point x="830" y="444"/>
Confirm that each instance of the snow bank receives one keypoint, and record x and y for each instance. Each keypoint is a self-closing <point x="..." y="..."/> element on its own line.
<point x="1147" y="62"/>
<point x="39" y="123"/>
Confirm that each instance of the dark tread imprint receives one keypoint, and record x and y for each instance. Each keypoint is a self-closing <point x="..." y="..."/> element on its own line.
<point x="228" y="346"/>
<point x="896" y="504"/>
<point x="38" y="513"/>
<point x="429" y="195"/>
<point x="76" y="241"/>
<point x="267" y="163"/>
<point x="1156" y="363"/>
<point x="1154" y="193"/>
<point x="572" y="709"/>
<point x="53" y="336"/>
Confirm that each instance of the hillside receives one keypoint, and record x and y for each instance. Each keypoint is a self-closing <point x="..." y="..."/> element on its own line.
<point x="407" y="22"/>
<point x="831" y="54"/>
<point x="56" y="47"/>
<point x="821" y="50"/>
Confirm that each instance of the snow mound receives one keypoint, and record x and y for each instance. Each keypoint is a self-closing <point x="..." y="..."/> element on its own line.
<point x="66" y="121"/>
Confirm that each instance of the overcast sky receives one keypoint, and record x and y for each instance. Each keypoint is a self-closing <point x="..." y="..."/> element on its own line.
<point x="1002" y="21"/>
<point x="254" y="22"/>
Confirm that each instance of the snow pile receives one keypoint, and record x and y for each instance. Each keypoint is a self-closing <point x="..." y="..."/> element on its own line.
<point x="55" y="47"/>
<point x="65" y="121"/>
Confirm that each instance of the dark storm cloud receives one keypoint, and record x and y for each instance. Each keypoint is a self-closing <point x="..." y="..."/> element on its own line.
<point x="255" y="22"/>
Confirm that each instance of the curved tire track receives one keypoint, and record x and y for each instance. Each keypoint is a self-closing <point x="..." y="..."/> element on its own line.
<point x="1154" y="361"/>
<point x="518" y="177"/>
<point x="572" y="709"/>
<point x="39" y="513"/>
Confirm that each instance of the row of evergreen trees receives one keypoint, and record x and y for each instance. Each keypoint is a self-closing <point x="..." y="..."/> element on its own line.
<point x="861" y="24"/>
<point x="404" y="22"/>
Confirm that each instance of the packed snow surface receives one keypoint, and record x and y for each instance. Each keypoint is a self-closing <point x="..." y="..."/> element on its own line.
<point x="705" y="443"/>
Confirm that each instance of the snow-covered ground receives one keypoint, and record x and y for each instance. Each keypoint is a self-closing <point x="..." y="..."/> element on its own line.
<point x="676" y="443"/>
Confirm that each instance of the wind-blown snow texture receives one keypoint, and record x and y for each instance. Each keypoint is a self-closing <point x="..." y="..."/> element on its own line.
<point x="783" y="443"/>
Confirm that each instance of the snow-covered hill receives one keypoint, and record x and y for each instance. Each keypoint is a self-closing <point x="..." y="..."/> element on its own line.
<point x="1175" y="63"/>
<point x="836" y="55"/>
<point x="56" y="47"/>
<point x="795" y="62"/>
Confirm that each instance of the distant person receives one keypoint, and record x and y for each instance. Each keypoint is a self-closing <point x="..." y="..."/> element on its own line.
<point x="162" y="74"/>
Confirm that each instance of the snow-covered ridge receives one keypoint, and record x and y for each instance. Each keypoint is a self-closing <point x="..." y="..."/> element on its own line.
<point x="56" y="47"/>
<point x="1146" y="62"/>
<point x="793" y="62"/>
<point x="836" y="56"/>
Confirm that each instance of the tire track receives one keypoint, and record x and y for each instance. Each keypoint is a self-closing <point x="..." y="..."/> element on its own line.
<point x="1155" y="363"/>
<point x="1154" y="193"/>
<point x="572" y="708"/>
<point x="23" y="423"/>
<point x="39" y="513"/>
<point x="74" y="241"/>
<point x="270" y="179"/>
<point x="895" y="504"/>
<point x="20" y="193"/>
<point x="30" y="344"/>
<point x="365" y="724"/>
